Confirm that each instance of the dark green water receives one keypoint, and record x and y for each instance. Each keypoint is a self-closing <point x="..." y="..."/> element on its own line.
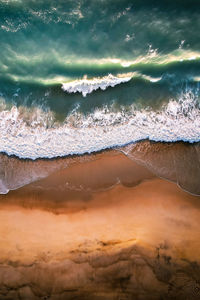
<point x="45" y="44"/>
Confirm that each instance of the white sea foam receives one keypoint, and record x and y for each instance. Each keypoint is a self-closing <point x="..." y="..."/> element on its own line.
<point x="179" y="120"/>
<point x="87" y="86"/>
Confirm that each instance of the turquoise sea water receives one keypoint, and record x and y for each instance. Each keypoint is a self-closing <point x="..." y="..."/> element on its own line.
<point x="62" y="70"/>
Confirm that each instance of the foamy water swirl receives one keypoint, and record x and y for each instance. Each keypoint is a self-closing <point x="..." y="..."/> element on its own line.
<point x="179" y="120"/>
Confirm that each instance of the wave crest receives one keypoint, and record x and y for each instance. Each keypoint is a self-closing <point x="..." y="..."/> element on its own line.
<point x="87" y="86"/>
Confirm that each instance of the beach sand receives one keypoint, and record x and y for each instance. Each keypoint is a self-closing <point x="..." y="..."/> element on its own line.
<point x="104" y="227"/>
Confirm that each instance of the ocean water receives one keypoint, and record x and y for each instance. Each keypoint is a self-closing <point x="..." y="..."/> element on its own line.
<point x="82" y="76"/>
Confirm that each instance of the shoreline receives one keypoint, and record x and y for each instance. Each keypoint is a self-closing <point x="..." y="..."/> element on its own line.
<point x="92" y="153"/>
<point x="177" y="162"/>
<point x="99" y="226"/>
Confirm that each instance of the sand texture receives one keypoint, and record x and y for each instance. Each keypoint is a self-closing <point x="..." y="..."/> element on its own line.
<point x="101" y="228"/>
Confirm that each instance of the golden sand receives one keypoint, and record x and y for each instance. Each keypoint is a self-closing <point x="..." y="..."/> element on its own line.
<point x="100" y="229"/>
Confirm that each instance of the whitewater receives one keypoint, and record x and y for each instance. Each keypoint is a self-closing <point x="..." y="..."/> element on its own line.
<point x="104" y="128"/>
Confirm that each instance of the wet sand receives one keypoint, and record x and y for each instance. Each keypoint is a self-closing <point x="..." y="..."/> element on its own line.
<point x="102" y="228"/>
<point x="73" y="186"/>
<point x="178" y="162"/>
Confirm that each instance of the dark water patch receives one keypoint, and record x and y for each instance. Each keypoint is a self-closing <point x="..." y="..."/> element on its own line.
<point x="139" y="91"/>
<point x="97" y="29"/>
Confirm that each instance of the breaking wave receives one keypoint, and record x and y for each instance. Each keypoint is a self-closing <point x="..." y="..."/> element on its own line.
<point x="37" y="136"/>
<point x="87" y="86"/>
